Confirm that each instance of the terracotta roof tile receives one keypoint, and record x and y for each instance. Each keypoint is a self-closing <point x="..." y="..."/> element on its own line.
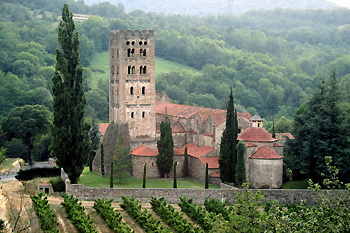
<point x="250" y="144"/>
<point x="213" y="162"/>
<point x="189" y="145"/>
<point x="177" y="127"/>
<point x="144" y="151"/>
<point x="196" y="151"/>
<point x="254" y="134"/>
<point x="187" y="111"/>
<point x="208" y="134"/>
<point x="216" y="174"/>
<point x="276" y="144"/>
<point x="266" y="152"/>
<point x="102" y="127"/>
<point x="179" y="151"/>
<point x="284" y="135"/>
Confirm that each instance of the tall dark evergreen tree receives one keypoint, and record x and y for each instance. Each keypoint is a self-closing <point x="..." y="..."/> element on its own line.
<point x="206" y="186"/>
<point x="144" y="176"/>
<point x="273" y="130"/>
<point x="102" y="161"/>
<point x="186" y="163"/>
<point x="175" y="178"/>
<point x="228" y="154"/>
<point x="95" y="138"/>
<point x="323" y="118"/>
<point x="240" y="166"/>
<point x="111" y="176"/>
<point x="165" y="147"/>
<point x="71" y="144"/>
<point x="312" y="164"/>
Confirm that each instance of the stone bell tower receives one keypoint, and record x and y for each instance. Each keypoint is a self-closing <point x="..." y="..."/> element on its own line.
<point x="132" y="84"/>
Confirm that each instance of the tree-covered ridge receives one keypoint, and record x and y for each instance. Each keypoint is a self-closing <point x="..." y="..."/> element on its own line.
<point x="272" y="59"/>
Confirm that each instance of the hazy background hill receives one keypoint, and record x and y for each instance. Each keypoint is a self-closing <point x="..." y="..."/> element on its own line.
<point x="215" y="7"/>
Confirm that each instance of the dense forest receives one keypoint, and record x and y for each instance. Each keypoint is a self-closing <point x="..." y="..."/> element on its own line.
<point x="213" y="7"/>
<point x="273" y="59"/>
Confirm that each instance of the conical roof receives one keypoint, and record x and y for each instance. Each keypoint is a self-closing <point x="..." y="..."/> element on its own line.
<point x="265" y="152"/>
<point x="255" y="134"/>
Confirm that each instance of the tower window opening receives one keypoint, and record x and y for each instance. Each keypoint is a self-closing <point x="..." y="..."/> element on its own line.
<point x="132" y="115"/>
<point x="145" y="43"/>
<point x="131" y="90"/>
<point x="141" y="69"/>
<point x="129" y="52"/>
<point x="128" y="42"/>
<point x="133" y="52"/>
<point x="143" y="90"/>
<point x="144" y="70"/>
<point x="143" y="114"/>
<point x="129" y="69"/>
<point x="140" y="43"/>
<point x="144" y="52"/>
<point x="133" y="42"/>
<point x="133" y="70"/>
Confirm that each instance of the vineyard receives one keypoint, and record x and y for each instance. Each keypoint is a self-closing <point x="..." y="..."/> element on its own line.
<point x="247" y="215"/>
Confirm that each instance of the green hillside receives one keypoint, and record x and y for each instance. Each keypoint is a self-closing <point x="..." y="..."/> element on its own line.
<point x="99" y="66"/>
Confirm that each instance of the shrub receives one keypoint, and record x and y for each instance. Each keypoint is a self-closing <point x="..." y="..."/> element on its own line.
<point x="29" y="174"/>
<point x="57" y="184"/>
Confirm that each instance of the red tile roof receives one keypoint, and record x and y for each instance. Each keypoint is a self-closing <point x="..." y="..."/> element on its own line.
<point x="254" y="134"/>
<point x="216" y="174"/>
<point x="195" y="151"/>
<point x="179" y="151"/>
<point x="266" y="152"/>
<point x="177" y="127"/>
<point x="276" y="144"/>
<point x="208" y="134"/>
<point x="187" y="111"/>
<point x="102" y="128"/>
<point x="144" y="151"/>
<point x="189" y="145"/>
<point x="250" y="144"/>
<point x="213" y="162"/>
<point x="284" y="135"/>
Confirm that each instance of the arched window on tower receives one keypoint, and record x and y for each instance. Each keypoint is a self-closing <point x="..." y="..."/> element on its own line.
<point x="141" y="69"/>
<point x="144" y="52"/>
<point x="144" y="69"/>
<point x="131" y="90"/>
<point x="132" y="115"/>
<point x="129" y="69"/>
<point x="133" y="52"/>
<point x="143" y="114"/>
<point x="129" y="52"/>
<point x="143" y="90"/>
<point x="133" y="70"/>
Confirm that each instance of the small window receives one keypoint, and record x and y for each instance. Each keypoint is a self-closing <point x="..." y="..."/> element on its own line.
<point x="140" y="43"/>
<point x="152" y="164"/>
<point x="131" y="90"/>
<point x="145" y="43"/>
<point x="129" y="52"/>
<point x="132" y="115"/>
<point x="144" y="69"/>
<point x="133" y="52"/>
<point x="143" y="114"/>
<point x="133" y="70"/>
<point x="129" y="69"/>
<point x="144" y="52"/>
<point x="133" y="42"/>
<point x="141" y="69"/>
<point x="143" y="90"/>
<point x="128" y="42"/>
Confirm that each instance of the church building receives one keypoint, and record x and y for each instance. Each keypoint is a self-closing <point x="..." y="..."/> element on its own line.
<point x="136" y="110"/>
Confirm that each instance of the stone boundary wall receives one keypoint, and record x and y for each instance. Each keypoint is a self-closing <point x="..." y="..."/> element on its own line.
<point x="283" y="196"/>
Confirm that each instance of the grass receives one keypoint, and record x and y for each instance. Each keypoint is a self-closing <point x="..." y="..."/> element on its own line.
<point x="99" y="65"/>
<point x="8" y="164"/>
<point x="95" y="180"/>
<point x="296" y="184"/>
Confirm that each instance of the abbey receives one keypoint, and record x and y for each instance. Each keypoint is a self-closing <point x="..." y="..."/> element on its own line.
<point x="136" y="110"/>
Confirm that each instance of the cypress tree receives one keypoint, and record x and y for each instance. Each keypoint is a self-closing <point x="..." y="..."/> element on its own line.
<point x="165" y="147"/>
<point x="175" y="180"/>
<point x="273" y="130"/>
<point x="186" y="163"/>
<point x="206" y="176"/>
<point x="240" y="167"/>
<point x="70" y="132"/>
<point x="102" y="161"/>
<point x="111" y="179"/>
<point x="144" y="176"/>
<point x="228" y="154"/>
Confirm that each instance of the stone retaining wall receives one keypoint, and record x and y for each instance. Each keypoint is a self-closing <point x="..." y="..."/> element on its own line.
<point x="283" y="196"/>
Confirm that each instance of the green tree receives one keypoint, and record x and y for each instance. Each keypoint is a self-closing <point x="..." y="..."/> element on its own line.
<point x="71" y="144"/>
<point x="122" y="160"/>
<point x="16" y="149"/>
<point x="112" y="175"/>
<point x="228" y="154"/>
<point x="165" y="147"/>
<point x="144" y="176"/>
<point x="312" y="164"/>
<point x="324" y="119"/>
<point x="102" y="161"/>
<point x="206" y="186"/>
<point x="95" y="138"/>
<point x="273" y="130"/>
<point x="175" y="178"/>
<point x="26" y="123"/>
<point x="240" y="166"/>
<point x="2" y="155"/>
<point x="186" y="163"/>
